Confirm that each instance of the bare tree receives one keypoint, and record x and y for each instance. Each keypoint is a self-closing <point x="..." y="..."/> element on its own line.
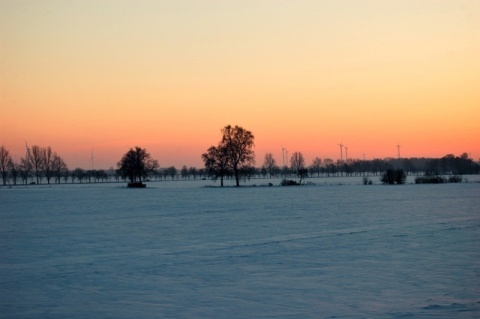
<point x="89" y="174"/>
<point x="36" y="160"/>
<point x="47" y="163"/>
<point x="316" y="165"/>
<point x="25" y="171"/>
<point x="165" y="173"/>
<point x="184" y="172"/>
<point x="239" y="145"/>
<point x="285" y="171"/>
<point x="79" y="174"/>
<point x="297" y="163"/>
<point x="66" y="175"/>
<point x="248" y="172"/>
<point x="201" y="172"/>
<point x="329" y="165"/>
<point x="14" y="171"/>
<point x="193" y="172"/>
<point x="172" y="172"/>
<point x="269" y="163"/>
<point x="100" y="175"/>
<point x="263" y="172"/>
<point x="5" y="159"/>
<point x="59" y="168"/>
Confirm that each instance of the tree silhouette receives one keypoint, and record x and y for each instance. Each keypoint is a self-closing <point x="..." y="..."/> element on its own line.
<point x="14" y="171"/>
<point x="235" y="152"/>
<point x="5" y="159"/>
<point x="172" y="172"/>
<point x="135" y="165"/>
<point x="329" y="165"/>
<point x="297" y="163"/>
<point x="79" y="174"/>
<point x="184" y="172"/>
<point x="24" y="168"/>
<point x="193" y="172"/>
<point x="59" y="168"/>
<point x="239" y="144"/>
<point x="316" y="165"/>
<point x="216" y="162"/>
<point x="391" y="176"/>
<point x="36" y="160"/>
<point x="47" y="163"/>
<point x="269" y="163"/>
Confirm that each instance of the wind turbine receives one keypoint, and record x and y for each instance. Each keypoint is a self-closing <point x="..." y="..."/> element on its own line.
<point x="27" y="154"/>
<point x="341" y="151"/>
<point x="27" y="160"/>
<point x="283" y="156"/>
<point x="398" y="149"/>
<point x="346" y="153"/>
<point x="91" y="158"/>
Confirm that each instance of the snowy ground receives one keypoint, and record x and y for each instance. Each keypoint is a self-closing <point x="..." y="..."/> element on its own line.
<point x="182" y="250"/>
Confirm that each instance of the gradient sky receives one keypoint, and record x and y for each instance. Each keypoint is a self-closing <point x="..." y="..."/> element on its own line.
<point x="168" y="75"/>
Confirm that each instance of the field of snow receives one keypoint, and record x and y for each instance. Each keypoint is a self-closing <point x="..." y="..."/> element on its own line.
<point x="182" y="250"/>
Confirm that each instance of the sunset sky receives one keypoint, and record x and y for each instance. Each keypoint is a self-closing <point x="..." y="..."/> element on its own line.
<point x="105" y="76"/>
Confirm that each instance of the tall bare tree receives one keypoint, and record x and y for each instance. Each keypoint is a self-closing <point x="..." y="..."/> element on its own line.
<point x="297" y="163"/>
<point x="5" y="159"/>
<point x="329" y="165"/>
<point x="269" y="163"/>
<point x="48" y="156"/>
<point x="25" y="170"/>
<point x="14" y="171"/>
<point x="59" y="168"/>
<point x="36" y="161"/>
<point x="316" y="165"/>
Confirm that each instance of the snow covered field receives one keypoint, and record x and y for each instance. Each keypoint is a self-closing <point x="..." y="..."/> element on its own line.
<point x="182" y="250"/>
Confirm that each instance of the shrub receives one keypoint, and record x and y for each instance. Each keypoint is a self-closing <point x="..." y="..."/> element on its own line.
<point x="430" y="180"/>
<point x="438" y="179"/>
<point x="289" y="182"/>
<point x="455" y="179"/>
<point x="367" y="181"/>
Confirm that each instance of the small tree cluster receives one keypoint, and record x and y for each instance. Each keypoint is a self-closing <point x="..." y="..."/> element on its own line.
<point x="136" y="164"/>
<point x="391" y="176"/>
<point x="367" y="181"/>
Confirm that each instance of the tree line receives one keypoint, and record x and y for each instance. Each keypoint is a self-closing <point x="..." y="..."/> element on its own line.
<point x="232" y="158"/>
<point x="447" y="165"/>
<point x="39" y="163"/>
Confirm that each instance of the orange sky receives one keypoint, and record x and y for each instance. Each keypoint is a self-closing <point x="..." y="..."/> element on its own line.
<point x="168" y="75"/>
